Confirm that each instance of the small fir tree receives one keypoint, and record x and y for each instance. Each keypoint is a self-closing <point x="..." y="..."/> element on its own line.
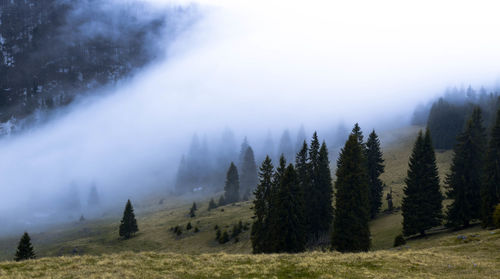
<point x="232" y="187"/>
<point x="128" y="224"/>
<point x="248" y="177"/>
<point x="211" y="204"/>
<point x="25" y="250"/>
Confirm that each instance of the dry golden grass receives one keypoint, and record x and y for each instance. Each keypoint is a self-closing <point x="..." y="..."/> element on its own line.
<point x="448" y="257"/>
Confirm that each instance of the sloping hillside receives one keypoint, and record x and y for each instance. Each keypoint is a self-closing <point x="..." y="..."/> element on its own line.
<point x="96" y="237"/>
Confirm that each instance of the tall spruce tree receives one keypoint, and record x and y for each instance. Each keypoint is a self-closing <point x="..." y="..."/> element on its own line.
<point x="274" y="219"/>
<point x="356" y="130"/>
<point x="351" y="232"/>
<point x="93" y="196"/>
<point x="465" y="178"/>
<point x="375" y="165"/>
<point x="232" y="186"/>
<point x="128" y="224"/>
<point x="304" y="173"/>
<point x="262" y="209"/>
<point x="490" y="191"/>
<point x="289" y="204"/>
<point x="313" y="194"/>
<point x="324" y="187"/>
<point x="422" y="203"/>
<point x="248" y="178"/>
<point x="24" y="249"/>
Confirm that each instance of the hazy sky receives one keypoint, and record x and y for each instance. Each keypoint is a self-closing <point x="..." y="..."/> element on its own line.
<point x="257" y="66"/>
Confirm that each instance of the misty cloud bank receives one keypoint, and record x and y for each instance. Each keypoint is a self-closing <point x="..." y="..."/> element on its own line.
<point x="255" y="69"/>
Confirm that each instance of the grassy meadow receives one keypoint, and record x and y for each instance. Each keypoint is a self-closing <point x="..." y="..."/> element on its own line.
<point x="439" y="257"/>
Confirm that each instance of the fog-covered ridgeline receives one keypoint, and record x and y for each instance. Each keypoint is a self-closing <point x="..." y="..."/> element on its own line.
<point x="241" y="70"/>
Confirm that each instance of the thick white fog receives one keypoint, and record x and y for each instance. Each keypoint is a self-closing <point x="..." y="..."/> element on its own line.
<point x="255" y="67"/>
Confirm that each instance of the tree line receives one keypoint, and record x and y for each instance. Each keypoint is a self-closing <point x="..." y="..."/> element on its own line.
<point x="293" y="204"/>
<point x="472" y="185"/>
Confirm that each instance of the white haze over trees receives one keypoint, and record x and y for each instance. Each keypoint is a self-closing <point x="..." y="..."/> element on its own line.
<point x="258" y="68"/>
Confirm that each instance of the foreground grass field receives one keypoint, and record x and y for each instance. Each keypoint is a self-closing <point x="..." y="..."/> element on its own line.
<point x="475" y="254"/>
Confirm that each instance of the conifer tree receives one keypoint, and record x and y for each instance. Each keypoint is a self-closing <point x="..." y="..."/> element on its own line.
<point x="356" y="130"/>
<point x="285" y="146"/>
<point x="490" y="191"/>
<point x="248" y="178"/>
<point x="422" y="203"/>
<point x="351" y="232"/>
<point x="93" y="196"/>
<point x="375" y="169"/>
<point x="243" y="151"/>
<point x="274" y="234"/>
<point x="192" y="210"/>
<point x="25" y="249"/>
<point x="232" y="187"/>
<point x="464" y="181"/>
<point x="289" y="205"/>
<point x="262" y="208"/>
<point x="128" y="224"/>
<point x="303" y="169"/>
<point x="221" y="201"/>
<point x="324" y="187"/>
<point x="312" y="193"/>
<point x="212" y="204"/>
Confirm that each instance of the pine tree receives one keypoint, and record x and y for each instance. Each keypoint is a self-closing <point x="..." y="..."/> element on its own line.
<point x="273" y="220"/>
<point x="212" y="204"/>
<point x="356" y="130"/>
<point x="232" y="187"/>
<point x="262" y="208"/>
<point x="243" y="151"/>
<point x="93" y="196"/>
<point x="286" y="147"/>
<point x="422" y="203"/>
<point x="304" y="173"/>
<point x="464" y="181"/>
<point x="248" y="178"/>
<point x="351" y="232"/>
<point x="128" y="224"/>
<point x="375" y="169"/>
<point x="192" y="210"/>
<point x="289" y="204"/>
<point x="222" y="201"/>
<point x="25" y="249"/>
<point x="323" y="183"/>
<point x="490" y="191"/>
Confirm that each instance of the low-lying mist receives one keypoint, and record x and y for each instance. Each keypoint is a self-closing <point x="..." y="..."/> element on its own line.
<point x="256" y="69"/>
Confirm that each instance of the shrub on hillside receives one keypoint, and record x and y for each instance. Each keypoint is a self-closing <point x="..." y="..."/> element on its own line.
<point x="496" y="216"/>
<point x="399" y="240"/>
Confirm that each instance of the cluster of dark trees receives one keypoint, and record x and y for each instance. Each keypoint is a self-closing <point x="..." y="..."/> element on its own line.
<point x="202" y="168"/>
<point x="447" y="116"/>
<point x="50" y="49"/>
<point x="358" y="191"/>
<point x="294" y="203"/>
<point x="472" y="184"/>
<point x="225" y="236"/>
<point x="205" y="163"/>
